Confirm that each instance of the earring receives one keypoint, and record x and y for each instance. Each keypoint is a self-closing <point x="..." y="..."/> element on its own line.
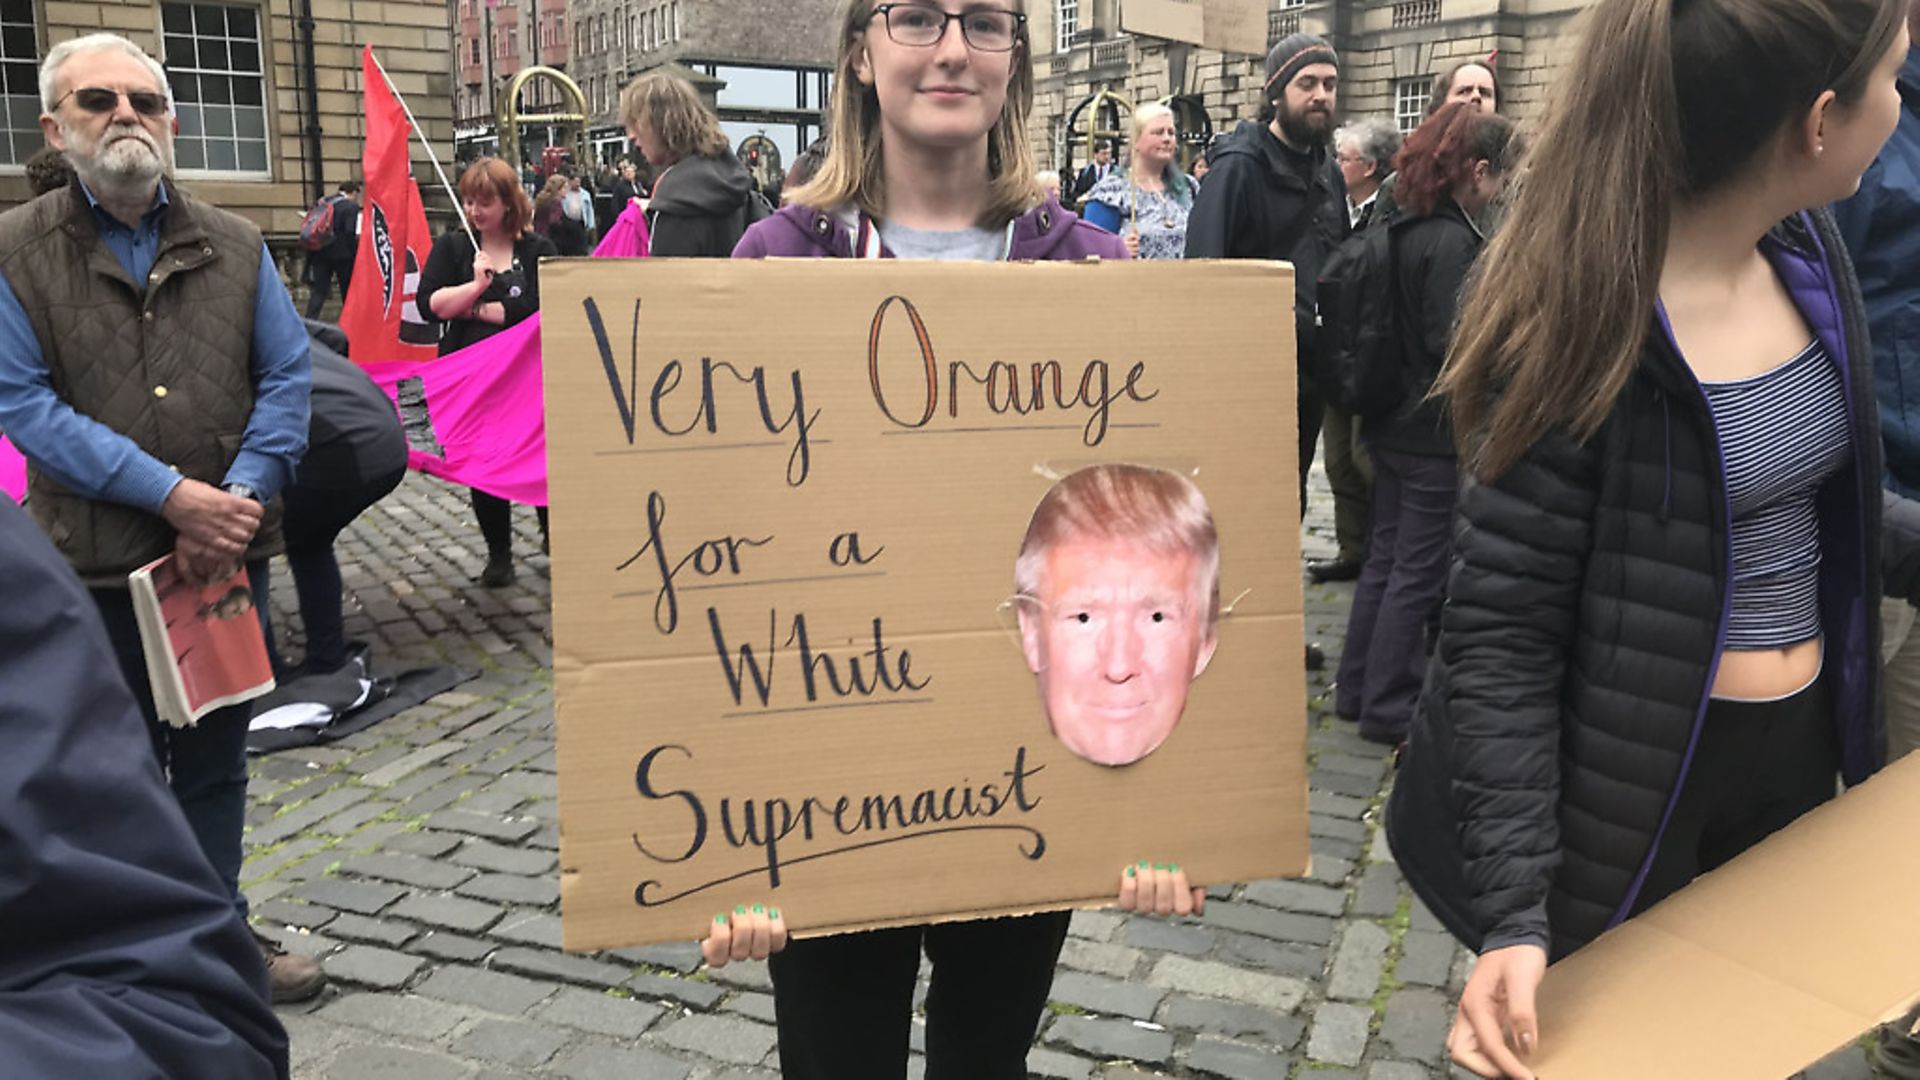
<point x="1819" y="148"/>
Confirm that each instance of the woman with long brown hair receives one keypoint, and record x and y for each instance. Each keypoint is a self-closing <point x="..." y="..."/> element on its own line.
<point x="474" y="293"/>
<point x="1452" y="167"/>
<point x="1660" y="637"/>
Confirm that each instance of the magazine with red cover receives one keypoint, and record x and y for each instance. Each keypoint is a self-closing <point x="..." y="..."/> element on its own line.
<point x="203" y="643"/>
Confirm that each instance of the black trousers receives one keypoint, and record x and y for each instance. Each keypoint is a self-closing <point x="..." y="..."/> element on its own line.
<point x="314" y="520"/>
<point x="844" y="1004"/>
<point x="1758" y="766"/>
<point x="321" y="274"/>
<point x="1312" y="407"/>
<point x="495" y="517"/>
<point x="1401" y="584"/>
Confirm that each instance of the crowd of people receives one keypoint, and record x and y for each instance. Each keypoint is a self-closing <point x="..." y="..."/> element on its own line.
<point x="1631" y="530"/>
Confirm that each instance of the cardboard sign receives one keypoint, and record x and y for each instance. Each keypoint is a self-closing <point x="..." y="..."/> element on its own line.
<point x="1760" y="968"/>
<point x="1170" y="20"/>
<point x="1234" y="26"/>
<point x="788" y="497"/>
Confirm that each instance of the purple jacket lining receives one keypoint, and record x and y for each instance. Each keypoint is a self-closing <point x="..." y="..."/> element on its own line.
<point x="1805" y="278"/>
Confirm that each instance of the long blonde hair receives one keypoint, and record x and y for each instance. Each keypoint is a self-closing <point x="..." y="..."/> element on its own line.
<point x="852" y="174"/>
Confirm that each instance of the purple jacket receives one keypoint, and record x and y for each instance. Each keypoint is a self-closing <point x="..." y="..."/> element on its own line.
<point x="1045" y="232"/>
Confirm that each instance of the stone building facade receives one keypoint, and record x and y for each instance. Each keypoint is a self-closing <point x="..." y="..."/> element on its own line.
<point x="1389" y="51"/>
<point x="264" y="128"/>
<point x="762" y="63"/>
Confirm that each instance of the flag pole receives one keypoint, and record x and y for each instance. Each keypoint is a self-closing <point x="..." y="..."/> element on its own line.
<point x="415" y="125"/>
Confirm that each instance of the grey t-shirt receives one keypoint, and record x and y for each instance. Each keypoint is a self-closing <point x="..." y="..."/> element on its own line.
<point x="988" y="245"/>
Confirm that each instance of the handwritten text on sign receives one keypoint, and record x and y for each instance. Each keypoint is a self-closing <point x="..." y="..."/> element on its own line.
<point x="787" y="498"/>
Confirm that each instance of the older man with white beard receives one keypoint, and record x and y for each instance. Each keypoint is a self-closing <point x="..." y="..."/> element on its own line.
<point x="155" y="375"/>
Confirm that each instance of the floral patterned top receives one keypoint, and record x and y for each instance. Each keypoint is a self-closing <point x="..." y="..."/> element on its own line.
<point x="1161" y="216"/>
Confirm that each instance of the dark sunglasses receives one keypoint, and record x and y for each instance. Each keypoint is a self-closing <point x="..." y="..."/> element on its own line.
<point x="99" y="99"/>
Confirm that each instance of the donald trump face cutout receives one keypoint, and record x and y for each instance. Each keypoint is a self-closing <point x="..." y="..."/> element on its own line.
<point x="1119" y="586"/>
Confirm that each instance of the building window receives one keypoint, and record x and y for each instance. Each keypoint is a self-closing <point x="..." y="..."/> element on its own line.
<point x="1284" y="20"/>
<point x="673" y="21"/>
<point x="1066" y="24"/>
<point x="476" y="52"/>
<point x="19" y="68"/>
<point x="1410" y="101"/>
<point x="1416" y="13"/>
<point x="219" y="87"/>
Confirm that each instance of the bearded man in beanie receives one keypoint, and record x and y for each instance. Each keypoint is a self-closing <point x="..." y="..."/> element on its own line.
<point x="1273" y="193"/>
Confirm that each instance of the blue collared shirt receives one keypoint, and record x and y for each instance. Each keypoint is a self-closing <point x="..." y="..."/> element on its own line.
<point x="99" y="463"/>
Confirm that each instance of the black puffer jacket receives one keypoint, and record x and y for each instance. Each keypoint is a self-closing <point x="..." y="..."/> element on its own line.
<point x="1585" y="616"/>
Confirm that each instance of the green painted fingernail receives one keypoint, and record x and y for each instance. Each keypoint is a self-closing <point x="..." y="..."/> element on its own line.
<point x="1144" y="864"/>
<point x="773" y="913"/>
<point x="1173" y="867"/>
<point x="740" y="909"/>
<point x="1129" y="871"/>
<point x="720" y="920"/>
<point x="1159" y="866"/>
<point x="759" y="909"/>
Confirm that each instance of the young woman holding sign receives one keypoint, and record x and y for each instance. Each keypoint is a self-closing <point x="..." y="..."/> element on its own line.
<point x="929" y="160"/>
<point x="1661" y="636"/>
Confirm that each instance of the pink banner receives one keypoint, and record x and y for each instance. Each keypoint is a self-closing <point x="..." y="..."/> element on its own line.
<point x="13" y="471"/>
<point x="486" y="401"/>
<point x="627" y="238"/>
<point x="487" y="407"/>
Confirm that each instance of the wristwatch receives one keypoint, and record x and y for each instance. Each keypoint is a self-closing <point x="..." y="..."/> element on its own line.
<point x="244" y="492"/>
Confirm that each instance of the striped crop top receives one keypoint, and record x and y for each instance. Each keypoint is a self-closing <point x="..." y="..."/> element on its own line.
<point x="1782" y="433"/>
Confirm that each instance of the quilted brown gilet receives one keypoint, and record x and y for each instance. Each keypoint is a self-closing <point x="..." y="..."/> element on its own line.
<point x="167" y="362"/>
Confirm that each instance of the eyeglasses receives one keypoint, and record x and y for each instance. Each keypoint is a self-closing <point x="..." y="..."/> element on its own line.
<point x="100" y="99"/>
<point x="921" y="25"/>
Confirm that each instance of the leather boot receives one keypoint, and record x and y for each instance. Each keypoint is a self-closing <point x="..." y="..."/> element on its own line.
<point x="293" y="977"/>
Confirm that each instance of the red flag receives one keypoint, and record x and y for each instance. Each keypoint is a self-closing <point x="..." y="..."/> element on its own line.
<point x="379" y="316"/>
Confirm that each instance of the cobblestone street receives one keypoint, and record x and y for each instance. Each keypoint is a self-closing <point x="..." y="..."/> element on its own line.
<point x="418" y="859"/>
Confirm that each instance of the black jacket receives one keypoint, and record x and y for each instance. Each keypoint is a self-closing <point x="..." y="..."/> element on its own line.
<point x="355" y="435"/>
<point x="1264" y="200"/>
<point x="1431" y="258"/>
<point x="123" y="955"/>
<point x="518" y="289"/>
<point x="1585" y="615"/>
<point x="699" y="208"/>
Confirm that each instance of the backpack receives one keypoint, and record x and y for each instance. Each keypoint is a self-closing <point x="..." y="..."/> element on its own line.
<point x="316" y="229"/>
<point x="759" y="207"/>
<point x="1362" y="353"/>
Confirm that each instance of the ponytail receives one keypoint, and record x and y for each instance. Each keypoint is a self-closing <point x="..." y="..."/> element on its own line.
<point x="1552" y="328"/>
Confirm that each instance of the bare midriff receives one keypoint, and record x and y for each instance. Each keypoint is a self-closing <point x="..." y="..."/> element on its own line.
<point x="1766" y="674"/>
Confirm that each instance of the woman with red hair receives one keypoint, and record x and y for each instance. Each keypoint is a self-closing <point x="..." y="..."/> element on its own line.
<point x="1450" y="169"/>
<point x="475" y="294"/>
